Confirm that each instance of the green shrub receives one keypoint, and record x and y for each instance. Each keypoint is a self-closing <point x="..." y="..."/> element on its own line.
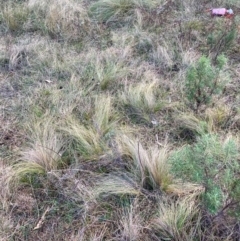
<point x="212" y="163"/>
<point x="203" y="80"/>
<point x="221" y="39"/>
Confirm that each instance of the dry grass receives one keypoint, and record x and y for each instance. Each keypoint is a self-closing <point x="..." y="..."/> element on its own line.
<point x="47" y="146"/>
<point x="119" y="10"/>
<point x="178" y="221"/>
<point x="91" y="141"/>
<point x="108" y="68"/>
<point x="88" y="141"/>
<point x="131" y="223"/>
<point x="116" y="184"/>
<point x="163" y="55"/>
<point x="44" y="153"/>
<point x="218" y="117"/>
<point x="143" y="97"/>
<point x="62" y="18"/>
<point x="142" y="101"/>
<point x="91" y="107"/>
<point x="5" y="193"/>
<point x="189" y="126"/>
<point x="183" y="189"/>
<point x="16" y="57"/>
<point x="14" y="15"/>
<point x="6" y="225"/>
<point x="150" y="165"/>
<point x="104" y="118"/>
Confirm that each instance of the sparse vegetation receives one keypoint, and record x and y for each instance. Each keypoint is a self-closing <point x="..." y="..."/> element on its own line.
<point x="119" y="120"/>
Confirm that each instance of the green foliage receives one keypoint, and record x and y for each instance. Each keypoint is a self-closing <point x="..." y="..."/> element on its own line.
<point x="221" y="39"/>
<point x="212" y="163"/>
<point x="189" y="126"/>
<point x="203" y="80"/>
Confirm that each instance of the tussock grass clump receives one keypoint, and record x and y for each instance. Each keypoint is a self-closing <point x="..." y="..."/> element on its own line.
<point x="86" y="140"/>
<point x="17" y="58"/>
<point x="178" y="220"/>
<point x="104" y="118"/>
<point x="109" y="73"/>
<point x="91" y="141"/>
<point x="60" y="99"/>
<point x="25" y="172"/>
<point x="50" y="60"/>
<point x="150" y="165"/>
<point x="122" y="38"/>
<point x="163" y="55"/>
<point x="144" y="42"/>
<point x="47" y="145"/>
<point x="108" y="68"/>
<point x="189" y="127"/>
<point x="44" y="152"/>
<point x="14" y="15"/>
<point x="118" y="10"/>
<point x="142" y="100"/>
<point x="189" y="57"/>
<point x="218" y="116"/>
<point x="66" y="19"/>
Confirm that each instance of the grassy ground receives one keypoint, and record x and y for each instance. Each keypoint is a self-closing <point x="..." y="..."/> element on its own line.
<point x="119" y="120"/>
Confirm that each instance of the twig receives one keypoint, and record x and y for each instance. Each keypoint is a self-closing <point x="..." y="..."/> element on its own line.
<point x="42" y="219"/>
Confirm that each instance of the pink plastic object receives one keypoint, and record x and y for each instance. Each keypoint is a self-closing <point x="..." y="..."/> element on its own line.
<point x="218" y="11"/>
